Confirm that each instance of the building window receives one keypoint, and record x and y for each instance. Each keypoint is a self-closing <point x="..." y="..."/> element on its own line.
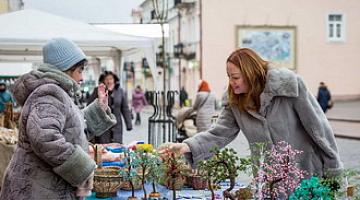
<point x="336" y="27"/>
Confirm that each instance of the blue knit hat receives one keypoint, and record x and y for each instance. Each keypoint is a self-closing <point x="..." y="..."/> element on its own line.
<point x="62" y="53"/>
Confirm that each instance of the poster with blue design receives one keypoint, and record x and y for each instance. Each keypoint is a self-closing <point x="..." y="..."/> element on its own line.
<point x="272" y="43"/>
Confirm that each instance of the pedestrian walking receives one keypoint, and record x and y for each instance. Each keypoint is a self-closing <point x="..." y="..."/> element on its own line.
<point x="183" y="96"/>
<point x="324" y="97"/>
<point x="117" y="100"/>
<point x="204" y="106"/>
<point x="138" y="103"/>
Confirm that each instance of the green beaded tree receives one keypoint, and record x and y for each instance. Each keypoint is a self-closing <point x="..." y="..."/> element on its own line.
<point x="156" y="171"/>
<point x="151" y="167"/>
<point x="131" y="170"/>
<point x="223" y="165"/>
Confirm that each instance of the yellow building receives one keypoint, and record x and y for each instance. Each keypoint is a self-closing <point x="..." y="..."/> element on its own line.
<point x="10" y="5"/>
<point x="4" y="6"/>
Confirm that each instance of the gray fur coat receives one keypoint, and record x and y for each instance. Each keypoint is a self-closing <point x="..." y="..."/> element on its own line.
<point x="288" y="113"/>
<point x="51" y="158"/>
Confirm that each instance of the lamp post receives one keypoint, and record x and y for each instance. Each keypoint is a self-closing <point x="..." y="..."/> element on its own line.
<point x="178" y="49"/>
<point x="178" y="53"/>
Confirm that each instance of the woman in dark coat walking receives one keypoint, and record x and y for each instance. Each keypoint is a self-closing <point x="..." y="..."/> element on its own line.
<point x="323" y="97"/>
<point x="119" y="107"/>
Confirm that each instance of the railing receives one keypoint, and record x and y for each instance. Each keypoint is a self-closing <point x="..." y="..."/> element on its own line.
<point x="162" y="126"/>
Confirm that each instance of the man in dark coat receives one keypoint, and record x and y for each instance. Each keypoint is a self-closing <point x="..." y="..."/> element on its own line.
<point x="324" y="97"/>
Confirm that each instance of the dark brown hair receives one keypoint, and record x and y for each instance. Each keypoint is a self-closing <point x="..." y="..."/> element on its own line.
<point x="81" y="63"/>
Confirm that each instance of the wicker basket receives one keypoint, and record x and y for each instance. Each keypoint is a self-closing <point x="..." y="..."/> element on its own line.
<point x="107" y="182"/>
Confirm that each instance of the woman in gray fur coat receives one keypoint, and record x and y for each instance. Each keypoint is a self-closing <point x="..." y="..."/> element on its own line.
<point x="51" y="160"/>
<point x="269" y="105"/>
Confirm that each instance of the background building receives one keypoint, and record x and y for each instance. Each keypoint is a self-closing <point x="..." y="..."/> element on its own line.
<point x="10" y="5"/>
<point x="183" y="43"/>
<point x="324" y="43"/>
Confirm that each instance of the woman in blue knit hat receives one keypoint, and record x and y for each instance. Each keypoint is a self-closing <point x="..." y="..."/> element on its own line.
<point x="51" y="160"/>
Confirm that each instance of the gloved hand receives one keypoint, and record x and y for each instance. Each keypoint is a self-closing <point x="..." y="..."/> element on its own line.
<point x="84" y="189"/>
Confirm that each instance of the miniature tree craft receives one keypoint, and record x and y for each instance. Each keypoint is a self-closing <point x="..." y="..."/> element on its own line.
<point x="130" y="173"/>
<point x="342" y="184"/>
<point x="156" y="172"/>
<point x="175" y="168"/>
<point x="311" y="189"/>
<point x="221" y="166"/>
<point x="278" y="174"/>
<point x="149" y="165"/>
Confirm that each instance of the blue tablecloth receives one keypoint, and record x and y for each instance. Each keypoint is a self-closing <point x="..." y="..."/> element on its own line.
<point x="124" y="194"/>
<point x="185" y="193"/>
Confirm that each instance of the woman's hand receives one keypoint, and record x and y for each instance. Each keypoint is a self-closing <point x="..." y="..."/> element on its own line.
<point x="103" y="95"/>
<point x="84" y="189"/>
<point x="179" y="147"/>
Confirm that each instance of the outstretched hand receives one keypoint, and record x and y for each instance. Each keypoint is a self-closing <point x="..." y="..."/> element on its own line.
<point x="103" y="95"/>
<point x="179" y="147"/>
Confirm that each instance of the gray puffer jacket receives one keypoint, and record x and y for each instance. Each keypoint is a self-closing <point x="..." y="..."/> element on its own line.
<point x="51" y="156"/>
<point x="288" y="112"/>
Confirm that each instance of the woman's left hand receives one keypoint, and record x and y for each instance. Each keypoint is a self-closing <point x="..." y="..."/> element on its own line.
<point x="103" y="95"/>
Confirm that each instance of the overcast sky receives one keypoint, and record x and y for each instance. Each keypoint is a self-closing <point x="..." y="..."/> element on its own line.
<point x="90" y="11"/>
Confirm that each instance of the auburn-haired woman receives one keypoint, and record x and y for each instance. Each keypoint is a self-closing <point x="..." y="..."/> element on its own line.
<point x="269" y="105"/>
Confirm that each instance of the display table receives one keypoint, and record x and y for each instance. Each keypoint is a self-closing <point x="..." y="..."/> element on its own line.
<point x="185" y="193"/>
<point x="124" y="194"/>
<point x="5" y="156"/>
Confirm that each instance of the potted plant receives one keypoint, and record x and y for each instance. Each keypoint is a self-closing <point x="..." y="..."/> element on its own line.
<point x="175" y="169"/>
<point x="278" y="174"/>
<point x="221" y="166"/>
<point x="311" y="189"/>
<point x="338" y="190"/>
<point x="130" y="172"/>
<point x="246" y="166"/>
<point x="149" y="165"/>
<point x="196" y="180"/>
<point x="156" y="172"/>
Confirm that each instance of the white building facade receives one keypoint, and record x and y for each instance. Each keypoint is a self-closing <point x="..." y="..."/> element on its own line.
<point x="183" y="43"/>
